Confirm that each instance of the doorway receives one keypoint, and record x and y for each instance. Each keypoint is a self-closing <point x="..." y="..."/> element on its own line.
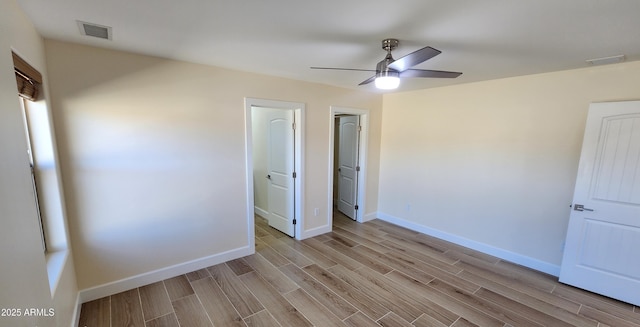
<point x="348" y="159"/>
<point x="347" y="166"/>
<point x="274" y="163"/>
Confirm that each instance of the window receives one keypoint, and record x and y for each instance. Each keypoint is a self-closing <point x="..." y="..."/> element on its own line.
<point x="44" y="169"/>
<point x="33" y="171"/>
<point x="28" y="80"/>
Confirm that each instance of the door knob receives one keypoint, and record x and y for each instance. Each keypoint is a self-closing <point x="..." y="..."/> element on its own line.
<point x="580" y="207"/>
<point x="268" y="176"/>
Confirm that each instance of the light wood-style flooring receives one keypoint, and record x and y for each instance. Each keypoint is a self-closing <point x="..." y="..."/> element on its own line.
<point x="371" y="274"/>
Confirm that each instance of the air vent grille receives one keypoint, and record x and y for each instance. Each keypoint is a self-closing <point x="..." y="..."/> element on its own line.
<point x="95" y="30"/>
<point x="607" y="60"/>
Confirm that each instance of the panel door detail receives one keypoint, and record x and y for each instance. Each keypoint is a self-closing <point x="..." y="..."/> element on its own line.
<point x="280" y="155"/>
<point x="603" y="237"/>
<point x="348" y="141"/>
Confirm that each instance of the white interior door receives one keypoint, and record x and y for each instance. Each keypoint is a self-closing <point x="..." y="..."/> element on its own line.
<point x="280" y="157"/>
<point x="603" y="238"/>
<point x="348" y="140"/>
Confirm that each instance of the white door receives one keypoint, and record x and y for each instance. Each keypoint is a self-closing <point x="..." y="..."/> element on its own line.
<point x="603" y="238"/>
<point x="280" y="157"/>
<point x="348" y="138"/>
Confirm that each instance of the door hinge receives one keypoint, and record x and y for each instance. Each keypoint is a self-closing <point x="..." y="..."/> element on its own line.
<point x="294" y="221"/>
<point x="357" y="168"/>
<point x="357" y="207"/>
<point x="359" y="128"/>
<point x="293" y="126"/>
<point x="294" y="174"/>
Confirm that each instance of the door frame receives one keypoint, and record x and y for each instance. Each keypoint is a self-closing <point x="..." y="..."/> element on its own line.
<point x="299" y="111"/>
<point x="362" y="161"/>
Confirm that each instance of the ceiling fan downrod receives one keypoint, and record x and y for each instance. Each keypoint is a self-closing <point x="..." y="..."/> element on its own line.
<point x="387" y="45"/>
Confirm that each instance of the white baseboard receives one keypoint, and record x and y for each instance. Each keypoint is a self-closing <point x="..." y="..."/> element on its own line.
<point x="261" y="212"/>
<point x="369" y="216"/>
<point x="315" y="232"/>
<point x="520" y="259"/>
<point x="75" y="319"/>
<point x="122" y="285"/>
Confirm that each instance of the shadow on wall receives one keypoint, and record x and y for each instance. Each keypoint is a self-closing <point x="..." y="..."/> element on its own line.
<point x="149" y="159"/>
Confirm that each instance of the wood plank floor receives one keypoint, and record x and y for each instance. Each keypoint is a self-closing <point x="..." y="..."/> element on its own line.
<point x="371" y="274"/>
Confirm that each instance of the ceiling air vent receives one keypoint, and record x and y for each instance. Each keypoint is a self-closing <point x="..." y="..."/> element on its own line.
<point x="606" y="60"/>
<point x="95" y="30"/>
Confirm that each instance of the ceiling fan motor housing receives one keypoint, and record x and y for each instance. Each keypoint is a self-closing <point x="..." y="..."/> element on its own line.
<point x="389" y="44"/>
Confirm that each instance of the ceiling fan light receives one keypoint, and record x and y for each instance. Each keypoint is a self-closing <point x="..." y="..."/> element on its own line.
<point x="387" y="80"/>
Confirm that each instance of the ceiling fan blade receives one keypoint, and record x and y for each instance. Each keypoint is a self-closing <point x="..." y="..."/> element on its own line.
<point x="429" y="73"/>
<point x="368" y="80"/>
<point x="414" y="58"/>
<point x="352" y="69"/>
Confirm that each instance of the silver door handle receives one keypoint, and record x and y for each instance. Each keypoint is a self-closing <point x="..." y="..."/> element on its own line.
<point x="580" y="207"/>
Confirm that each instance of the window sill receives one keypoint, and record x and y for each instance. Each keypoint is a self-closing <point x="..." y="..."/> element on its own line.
<point x="55" y="266"/>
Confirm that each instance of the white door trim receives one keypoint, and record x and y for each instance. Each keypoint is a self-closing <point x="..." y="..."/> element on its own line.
<point x="362" y="178"/>
<point x="299" y="109"/>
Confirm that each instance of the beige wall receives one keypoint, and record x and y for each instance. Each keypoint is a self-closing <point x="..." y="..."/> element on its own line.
<point x="154" y="155"/>
<point x="494" y="163"/>
<point x="23" y="271"/>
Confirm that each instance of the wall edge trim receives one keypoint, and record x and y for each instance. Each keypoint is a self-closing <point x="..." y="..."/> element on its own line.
<point x="369" y="216"/>
<point x="523" y="260"/>
<point x="75" y="319"/>
<point x="107" y="289"/>
<point x="315" y="231"/>
<point x="261" y="212"/>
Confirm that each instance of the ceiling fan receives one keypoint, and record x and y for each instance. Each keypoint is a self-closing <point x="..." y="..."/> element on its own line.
<point x="389" y="71"/>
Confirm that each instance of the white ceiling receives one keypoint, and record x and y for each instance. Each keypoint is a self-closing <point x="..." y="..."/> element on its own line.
<point x="484" y="39"/>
